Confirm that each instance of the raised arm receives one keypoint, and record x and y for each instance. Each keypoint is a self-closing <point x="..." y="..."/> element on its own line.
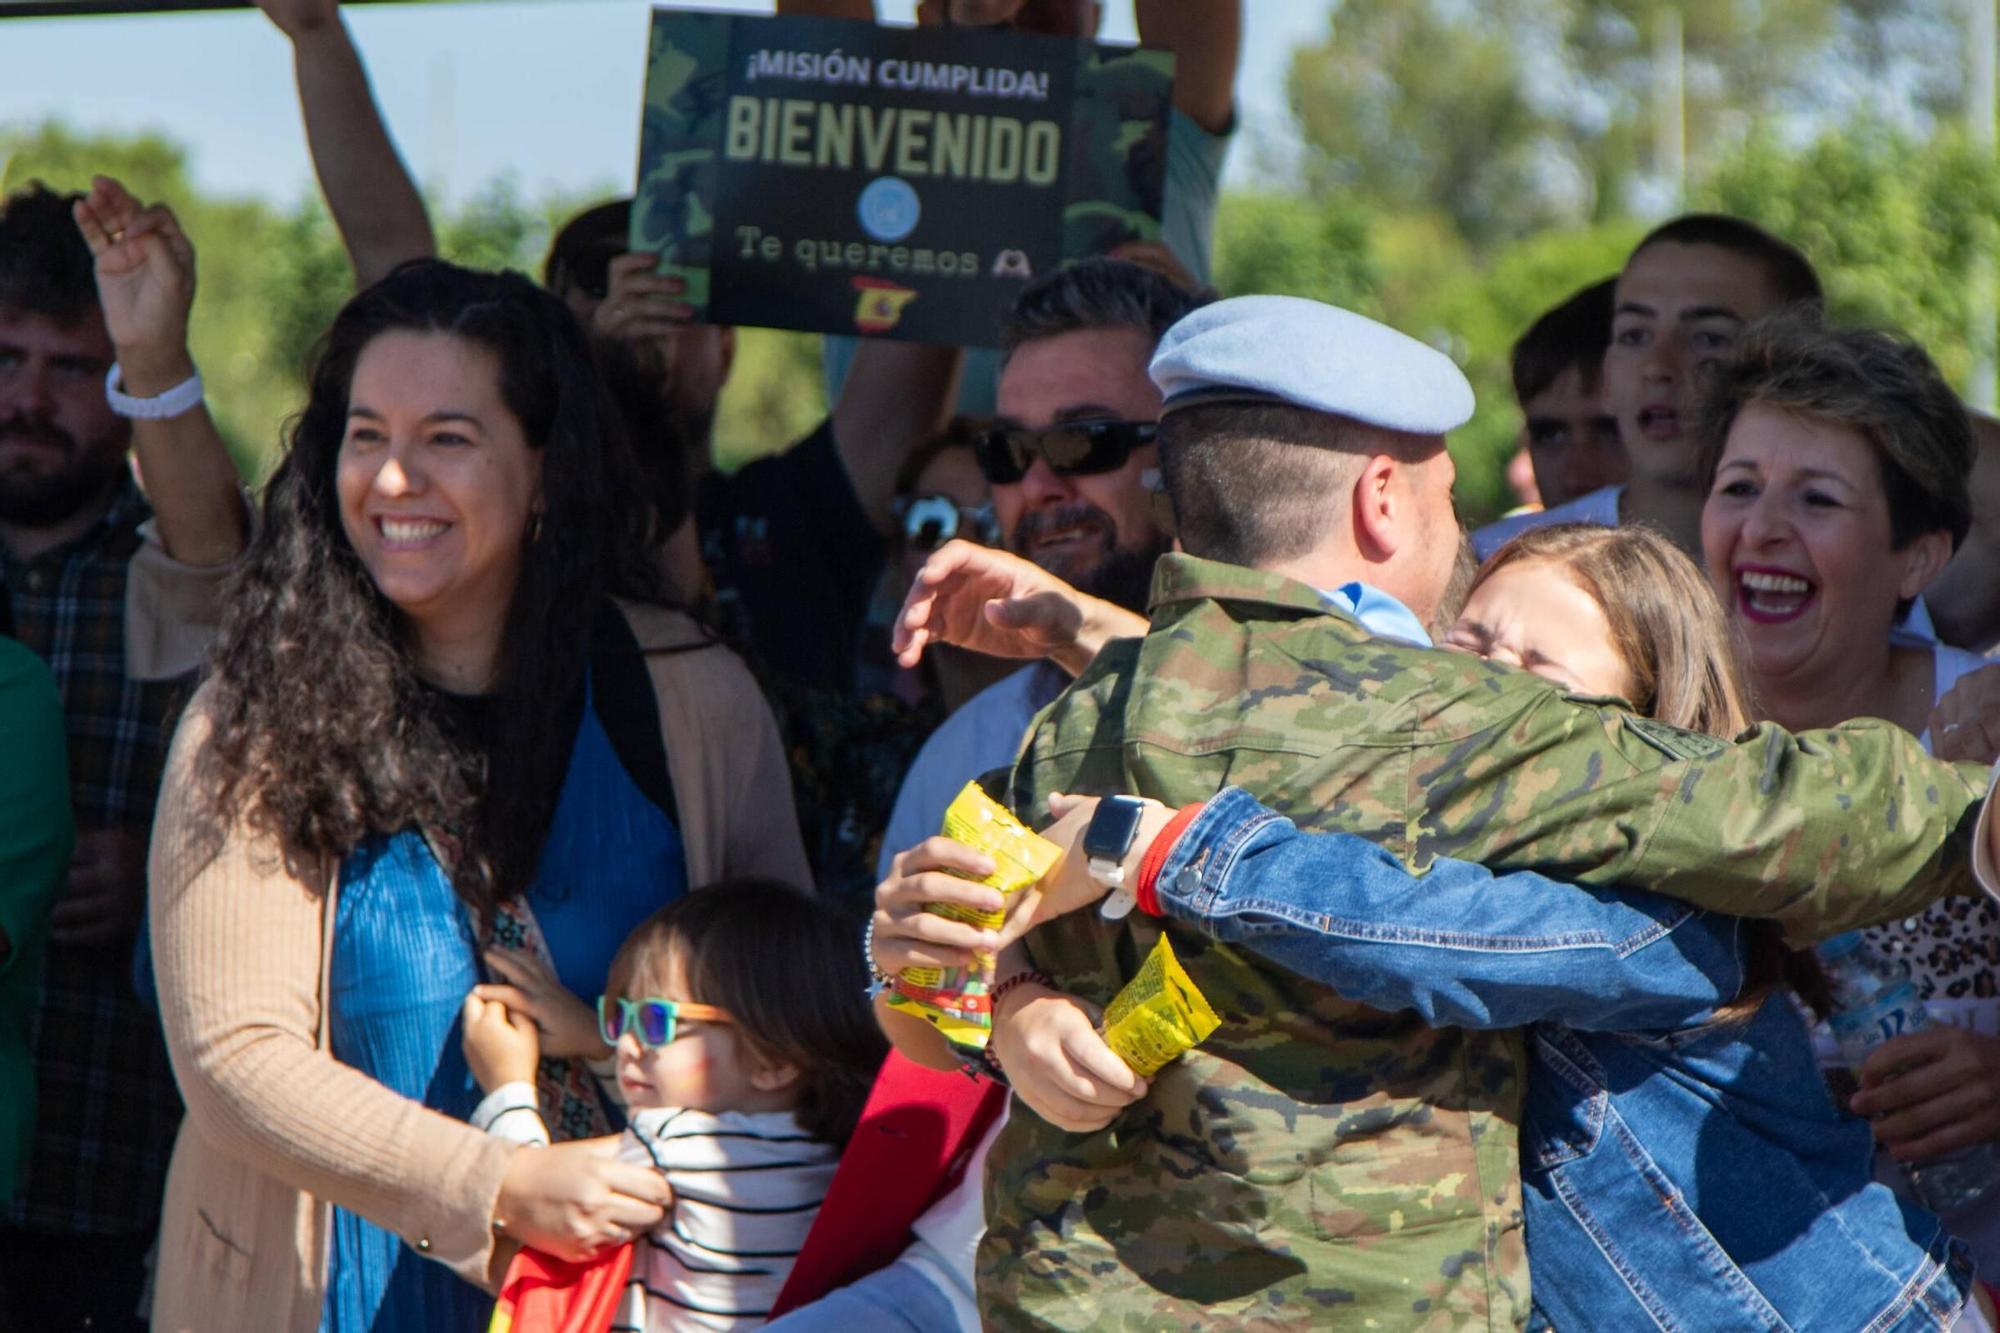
<point x="373" y="200"/>
<point x="145" y="285"/>
<point x="1459" y="945"/>
<point x="1206" y="37"/>
<point x="897" y="395"/>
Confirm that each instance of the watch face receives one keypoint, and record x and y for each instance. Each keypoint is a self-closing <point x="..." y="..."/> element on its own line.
<point x="1113" y="827"/>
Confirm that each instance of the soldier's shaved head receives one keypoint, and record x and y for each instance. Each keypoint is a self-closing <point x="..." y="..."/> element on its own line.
<point x="1255" y="483"/>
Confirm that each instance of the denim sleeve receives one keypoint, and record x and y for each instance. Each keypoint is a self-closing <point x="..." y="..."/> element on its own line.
<point x="1459" y="944"/>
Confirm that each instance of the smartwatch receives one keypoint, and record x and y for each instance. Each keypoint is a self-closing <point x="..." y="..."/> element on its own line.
<point x="1107" y="841"/>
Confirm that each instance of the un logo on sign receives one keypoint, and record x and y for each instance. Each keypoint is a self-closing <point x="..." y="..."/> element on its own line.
<point x="889" y="209"/>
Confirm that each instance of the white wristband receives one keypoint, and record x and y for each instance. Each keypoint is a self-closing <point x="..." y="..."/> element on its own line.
<point x="183" y="397"/>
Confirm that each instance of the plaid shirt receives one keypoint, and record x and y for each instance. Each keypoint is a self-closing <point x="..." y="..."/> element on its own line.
<point x="107" y="1107"/>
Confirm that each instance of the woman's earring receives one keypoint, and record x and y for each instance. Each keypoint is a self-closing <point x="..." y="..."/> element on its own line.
<point x="535" y="533"/>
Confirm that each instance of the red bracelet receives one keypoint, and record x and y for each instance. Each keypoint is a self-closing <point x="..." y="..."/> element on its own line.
<point x="1146" y="893"/>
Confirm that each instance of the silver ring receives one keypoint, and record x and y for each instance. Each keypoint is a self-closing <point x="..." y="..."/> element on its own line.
<point x="1949" y="727"/>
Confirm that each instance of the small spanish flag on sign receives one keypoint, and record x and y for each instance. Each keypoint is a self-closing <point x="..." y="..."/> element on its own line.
<point x="880" y="307"/>
<point x="548" y="1295"/>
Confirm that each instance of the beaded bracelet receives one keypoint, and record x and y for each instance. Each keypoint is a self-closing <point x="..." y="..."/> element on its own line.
<point x="878" y="980"/>
<point x="1018" y="979"/>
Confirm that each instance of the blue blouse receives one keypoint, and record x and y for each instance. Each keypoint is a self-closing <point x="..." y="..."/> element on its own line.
<point x="405" y="954"/>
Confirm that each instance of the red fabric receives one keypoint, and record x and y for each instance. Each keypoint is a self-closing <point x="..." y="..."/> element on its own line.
<point x="1147" y="892"/>
<point x="543" y="1294"/>
<point x="908" y="1150"/>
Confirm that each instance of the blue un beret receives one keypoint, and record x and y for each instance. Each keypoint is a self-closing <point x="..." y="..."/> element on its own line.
<point x="1290" y="350"/>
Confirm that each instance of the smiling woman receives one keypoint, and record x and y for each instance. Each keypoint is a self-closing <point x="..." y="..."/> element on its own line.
<point x="1838" y="464"/>
<point x="438" y="489"/>
<point x="450" y="728"/>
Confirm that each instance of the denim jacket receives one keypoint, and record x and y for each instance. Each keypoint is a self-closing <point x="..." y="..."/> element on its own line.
<point x="1678" y="1172"/>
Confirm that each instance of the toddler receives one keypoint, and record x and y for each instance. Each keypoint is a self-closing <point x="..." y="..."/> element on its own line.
<point x="743" y="1051"/>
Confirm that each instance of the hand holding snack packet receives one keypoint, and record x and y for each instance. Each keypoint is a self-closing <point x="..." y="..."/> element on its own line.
<point x="1159" y="1016"/>
<point x="956" y="999"/>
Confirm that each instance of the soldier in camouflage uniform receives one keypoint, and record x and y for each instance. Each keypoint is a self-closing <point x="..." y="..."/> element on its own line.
<point x="1317" y="1162"/>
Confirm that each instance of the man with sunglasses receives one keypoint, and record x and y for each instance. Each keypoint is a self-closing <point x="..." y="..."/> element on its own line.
<point x="1071" y="462"/>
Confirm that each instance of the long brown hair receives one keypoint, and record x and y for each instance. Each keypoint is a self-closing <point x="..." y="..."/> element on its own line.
<point x="1666" y="623"/>
<point x="323" y="733"/>
<point x="1668" y="627"/>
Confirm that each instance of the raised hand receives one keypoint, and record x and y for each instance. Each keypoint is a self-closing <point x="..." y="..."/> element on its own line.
<point x="990" y="601"/>
<point x="640" y="303"/>
<point x="145" y="284"/>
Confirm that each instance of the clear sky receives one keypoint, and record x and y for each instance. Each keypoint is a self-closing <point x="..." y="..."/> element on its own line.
<point x="547" y="90"/>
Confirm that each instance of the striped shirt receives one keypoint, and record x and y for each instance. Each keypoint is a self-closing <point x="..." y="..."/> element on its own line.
<point x="746" y="1190"/>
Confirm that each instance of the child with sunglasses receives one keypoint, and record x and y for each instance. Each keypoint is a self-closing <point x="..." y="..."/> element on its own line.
<point x="742" y="1047"/>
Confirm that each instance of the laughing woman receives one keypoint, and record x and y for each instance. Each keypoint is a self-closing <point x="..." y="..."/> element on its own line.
<point x="1840" y="460"/>
<point x="443" y="715"/>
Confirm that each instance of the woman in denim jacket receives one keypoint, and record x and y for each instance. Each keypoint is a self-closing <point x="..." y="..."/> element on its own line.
<point x="1683" y="1165"/>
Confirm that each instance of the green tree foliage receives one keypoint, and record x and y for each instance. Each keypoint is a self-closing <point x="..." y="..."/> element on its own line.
<point x="1469" y="165"/>
<point x="1417" y="274"/>
<point x="1514" y="115"/>
<point x="1890" y="220"/>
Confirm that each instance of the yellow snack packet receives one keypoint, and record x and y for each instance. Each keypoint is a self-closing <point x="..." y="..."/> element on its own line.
<point x="1020" y="855"/>
<point x="1159" y="1016"/>
<point x="955" y="1000"/>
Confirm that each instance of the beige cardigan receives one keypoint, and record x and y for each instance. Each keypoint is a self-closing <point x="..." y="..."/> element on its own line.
<point x="277" y="1130"/>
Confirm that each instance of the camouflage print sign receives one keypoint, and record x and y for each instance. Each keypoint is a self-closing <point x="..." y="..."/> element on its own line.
<point x="847" y="178"/>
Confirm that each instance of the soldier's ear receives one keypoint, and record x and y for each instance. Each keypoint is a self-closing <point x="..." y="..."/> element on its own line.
<point x="1378" y="505"/>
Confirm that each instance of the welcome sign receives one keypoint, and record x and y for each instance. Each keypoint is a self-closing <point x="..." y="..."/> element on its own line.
<point x="847" y="178"/>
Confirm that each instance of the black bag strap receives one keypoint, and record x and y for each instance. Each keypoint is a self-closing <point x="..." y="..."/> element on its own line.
<point x="622" y="692"/>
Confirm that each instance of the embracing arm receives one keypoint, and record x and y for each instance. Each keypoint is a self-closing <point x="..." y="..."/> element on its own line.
<point x="373" y="200"/>
<point x="237" y="943"/>
<point x="1824" y="831"/>
<point x="994" y="602"/>
<point x="1460" y="945"/>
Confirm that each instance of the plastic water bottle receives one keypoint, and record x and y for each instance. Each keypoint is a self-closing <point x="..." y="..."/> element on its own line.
<point x="1874" y="1001"/>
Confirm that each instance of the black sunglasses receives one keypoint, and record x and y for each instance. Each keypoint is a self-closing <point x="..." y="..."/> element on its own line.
<point x="929" y="521"/>
<point x="1077" y="448"/>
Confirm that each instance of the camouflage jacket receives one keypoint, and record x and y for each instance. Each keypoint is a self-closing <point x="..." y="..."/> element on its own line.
<point x="1316" y="1160"/>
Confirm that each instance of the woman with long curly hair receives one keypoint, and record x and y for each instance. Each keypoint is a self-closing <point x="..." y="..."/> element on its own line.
<point x="450" y="737"/>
